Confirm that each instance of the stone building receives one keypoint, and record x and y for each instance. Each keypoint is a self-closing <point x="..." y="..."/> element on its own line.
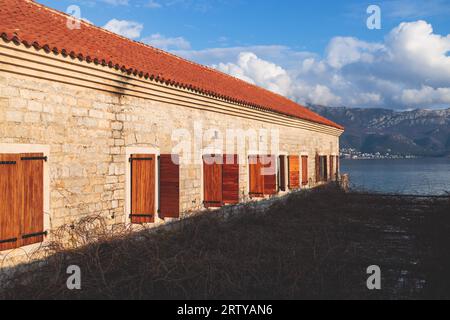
<point x="95" y="124"/>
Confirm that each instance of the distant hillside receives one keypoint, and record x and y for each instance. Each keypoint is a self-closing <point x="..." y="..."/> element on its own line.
<point x="417" y="132"/>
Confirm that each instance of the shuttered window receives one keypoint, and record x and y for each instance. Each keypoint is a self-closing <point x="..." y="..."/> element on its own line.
<point x="143" y="187"/>
<point x="305" y="170"/>
<point x="332" y="172"/>
<point x="321" y="168"/>
<point x="220" y="180"/>
<point x="337" y="167"/>
<point x="256" y="177"/>
<point x="21" y="200"/>
<point x="212" y="181"/>
<point x="169" y="186"/>
<point x="294" y="172"/>
<point x="230" y="179"/>
<point x="270" y="175"/>
<point x="282" y="173"/>
<point x="263" y="175"/>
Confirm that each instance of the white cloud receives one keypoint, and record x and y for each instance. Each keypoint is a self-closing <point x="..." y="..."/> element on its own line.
<point x="166" y="43"/>
<point x="426" y="96"/>
<point x="346" y="50"/>
<point x="410" y="68"/>
<point x="252" y="69"/>
<point x="129" y="29"/>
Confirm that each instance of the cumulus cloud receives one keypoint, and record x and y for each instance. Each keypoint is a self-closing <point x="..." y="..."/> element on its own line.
<point x="426" y="95"/>
<point x="252" y="69"/>
<point x="129" y="29"/>
<point x="410" y="68"/>
<point x="166" y="43"/>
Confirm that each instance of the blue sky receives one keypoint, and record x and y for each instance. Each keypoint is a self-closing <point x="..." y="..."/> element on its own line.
<point x="282" y="44"/>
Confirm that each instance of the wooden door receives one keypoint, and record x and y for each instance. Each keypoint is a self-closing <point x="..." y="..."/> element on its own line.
<point x="212" y="181"/>
<point x="143" y="184"/>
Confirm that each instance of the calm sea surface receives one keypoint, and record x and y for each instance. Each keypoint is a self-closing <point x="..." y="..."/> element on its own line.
<point x="407" y="176"/>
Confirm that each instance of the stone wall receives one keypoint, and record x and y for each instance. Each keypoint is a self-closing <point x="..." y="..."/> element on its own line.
<point x="89" y="130"/>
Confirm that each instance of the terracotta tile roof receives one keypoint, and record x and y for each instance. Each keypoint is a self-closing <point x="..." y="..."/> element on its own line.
<point x="24" y="21"/>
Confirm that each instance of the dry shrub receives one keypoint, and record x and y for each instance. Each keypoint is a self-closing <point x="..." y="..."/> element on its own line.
<point x="314" y="244"/>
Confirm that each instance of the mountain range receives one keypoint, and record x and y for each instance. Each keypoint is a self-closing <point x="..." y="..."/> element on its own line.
<point x="417" y="132"/>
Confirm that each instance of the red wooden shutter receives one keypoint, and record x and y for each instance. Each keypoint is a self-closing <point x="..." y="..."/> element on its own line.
<point x="282" y="177"/>
<point x="32" y="210"/>
<point x="270" y="175"/>
<point x="294" y="172"/>
<point x="304" y="170"/>
<point x="212" y="182"/>
<point x="256" y="178"/>
<point x="143" y="188"/>
<point x="230" y="180"/>
<point x="10" y="201"/>
<point x="169" y="186"/>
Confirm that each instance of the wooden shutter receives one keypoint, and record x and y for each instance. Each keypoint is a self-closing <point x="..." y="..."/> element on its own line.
<point x="294" y="172"/>
<point x="338" y="169"/>
<point x="10" y="201"/>
<point x="282" y="176"/>
<point x="32" y="212"/>
<point x="169" y="186"/>
<point x="318" y="179"/>
<point x="212" y="182"/>
<point x="256" y="178"/>
<point x="304" y="170"/>
<point x="270" y="175"/>
<point x="332" y="175"/>
<point x="230" y="179"/>
<point x="143" y="188"/>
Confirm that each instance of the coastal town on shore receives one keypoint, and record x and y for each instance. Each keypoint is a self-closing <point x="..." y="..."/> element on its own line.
<point x="353" y="154"/>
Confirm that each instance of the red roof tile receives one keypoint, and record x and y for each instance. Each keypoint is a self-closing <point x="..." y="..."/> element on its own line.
<point x="35" y="25"/>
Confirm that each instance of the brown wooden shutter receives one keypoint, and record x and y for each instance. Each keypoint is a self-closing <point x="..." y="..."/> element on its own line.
<point x="169" y="186"/>
<point x="294" y="172"/>
<point x="318" y="178"/>
<point x="305" y="170"/>
<point x="332" y="175"/>
<point x="282" y="177"/>
<point x="143" y="188"/>
<point x="270" y="175"/>
<point x="256" y="178"/>
<point x="10" y="201"/>
<point x="32" y="211"/>
<point x="230" y="179"/>
<point x="212" y="182"/>
<point x="338" y="168"/>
